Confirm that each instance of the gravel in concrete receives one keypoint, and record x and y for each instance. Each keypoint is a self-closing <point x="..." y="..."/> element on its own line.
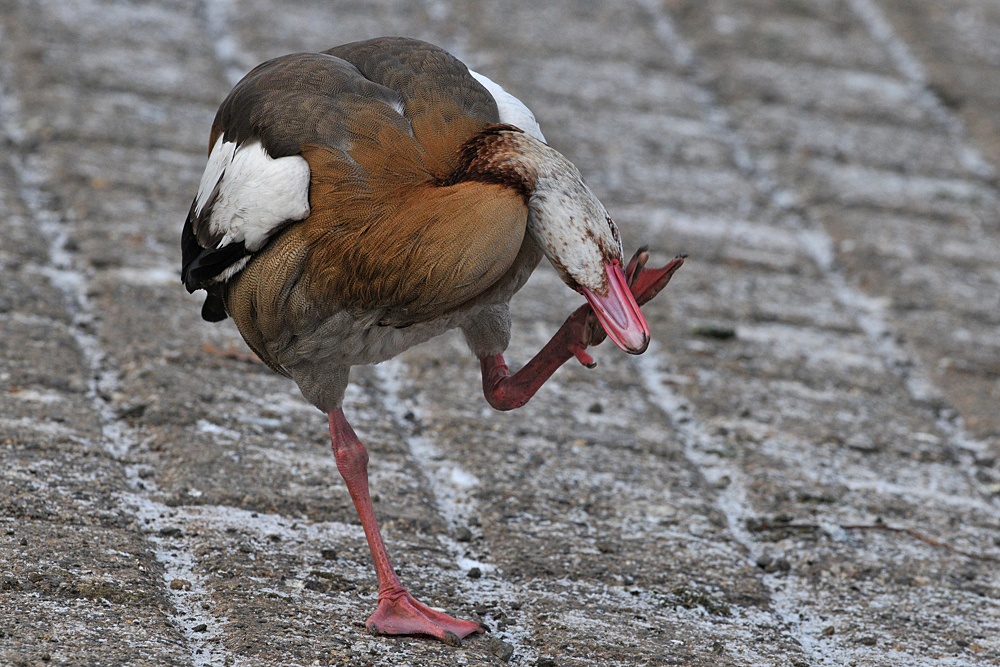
<point x="802" y="470"/>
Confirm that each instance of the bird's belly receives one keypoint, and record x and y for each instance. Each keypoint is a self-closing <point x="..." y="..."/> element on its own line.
<point x="347" y="341"/>
<point x="372" y="345"/>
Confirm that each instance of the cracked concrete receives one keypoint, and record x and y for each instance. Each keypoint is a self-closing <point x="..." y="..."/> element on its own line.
<point x="823" y="378"/>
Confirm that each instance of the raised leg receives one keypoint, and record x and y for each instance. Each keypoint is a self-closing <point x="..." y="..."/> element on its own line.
<point x="398" y="612"/>
<point x="581" y="329"/>
<point x="505" y="391"/>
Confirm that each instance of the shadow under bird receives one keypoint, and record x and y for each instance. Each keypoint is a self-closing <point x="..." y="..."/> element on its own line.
<point x="362" y="200"/>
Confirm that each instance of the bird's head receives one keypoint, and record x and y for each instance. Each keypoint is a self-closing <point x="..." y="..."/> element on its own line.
<point x="582" y="242"/>
<point x="566" y="220"/>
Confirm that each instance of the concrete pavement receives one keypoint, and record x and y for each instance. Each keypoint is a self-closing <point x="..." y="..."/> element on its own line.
<point x="824" y="376"/>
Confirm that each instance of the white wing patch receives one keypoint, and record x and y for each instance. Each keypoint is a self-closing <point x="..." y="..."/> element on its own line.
<point x="512" y="110"/>
<point x="251" y="193"/>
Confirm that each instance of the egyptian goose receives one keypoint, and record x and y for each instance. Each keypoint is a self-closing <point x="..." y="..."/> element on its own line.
<point x="362" y="200"/>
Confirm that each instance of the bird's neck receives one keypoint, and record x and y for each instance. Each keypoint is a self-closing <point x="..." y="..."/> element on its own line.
<point x="505" y="155"/>
<point x="565" y="219"/>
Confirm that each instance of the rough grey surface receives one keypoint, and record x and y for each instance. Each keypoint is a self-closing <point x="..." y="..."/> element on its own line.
<point x="824" y="379"/>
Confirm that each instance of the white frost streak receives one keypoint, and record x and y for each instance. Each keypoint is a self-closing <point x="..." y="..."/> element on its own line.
<point x="256" y="193"/>
<point x="512" y="110"/>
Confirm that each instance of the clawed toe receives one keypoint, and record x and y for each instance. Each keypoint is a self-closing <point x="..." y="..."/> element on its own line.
<point x="647" y="283"/>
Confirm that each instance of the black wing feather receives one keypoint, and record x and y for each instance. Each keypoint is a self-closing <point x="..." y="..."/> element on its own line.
<point x="199" y="265"/>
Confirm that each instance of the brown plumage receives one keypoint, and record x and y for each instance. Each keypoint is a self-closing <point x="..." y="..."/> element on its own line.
<point x="435" y="247"/>
<point x="408" y="261"/>
<point x="396" y="226"/>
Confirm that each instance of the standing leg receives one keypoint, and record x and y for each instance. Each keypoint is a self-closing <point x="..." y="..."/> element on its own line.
<point x="398" y="612"/>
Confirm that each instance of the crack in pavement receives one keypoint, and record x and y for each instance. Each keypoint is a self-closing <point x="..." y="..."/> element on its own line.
<point x="864" y="310"/>
<point x="117" y="439"/>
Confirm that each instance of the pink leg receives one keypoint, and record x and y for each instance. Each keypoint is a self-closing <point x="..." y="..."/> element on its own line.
<point x="398" y="612"/>
<point x="581" y="329"/>
<point x="505" y="391"/>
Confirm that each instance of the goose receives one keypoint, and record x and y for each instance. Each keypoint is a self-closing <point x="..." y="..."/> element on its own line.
<point x="364" y="199"/>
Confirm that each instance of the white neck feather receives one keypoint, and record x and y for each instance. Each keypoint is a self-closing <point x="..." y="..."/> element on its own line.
<point x="567" y="220"/>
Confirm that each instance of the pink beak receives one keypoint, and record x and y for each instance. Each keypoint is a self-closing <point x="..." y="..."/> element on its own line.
<point x="618" y="312"/>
